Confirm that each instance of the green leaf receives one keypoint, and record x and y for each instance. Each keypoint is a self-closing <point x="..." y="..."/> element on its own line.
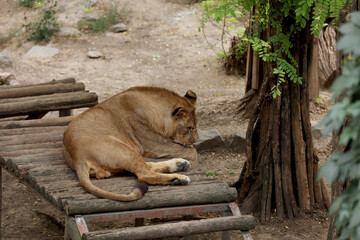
<point x="336" y="205"/>
<point x="329" y="169"/>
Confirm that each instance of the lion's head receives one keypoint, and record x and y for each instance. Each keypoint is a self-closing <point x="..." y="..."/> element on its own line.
<point x="185" y="121"/>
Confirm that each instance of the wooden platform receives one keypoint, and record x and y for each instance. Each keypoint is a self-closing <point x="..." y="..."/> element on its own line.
<point x="31" y="150"/>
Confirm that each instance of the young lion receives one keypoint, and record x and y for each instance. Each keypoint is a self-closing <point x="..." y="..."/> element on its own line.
<point x="118" y="133"/>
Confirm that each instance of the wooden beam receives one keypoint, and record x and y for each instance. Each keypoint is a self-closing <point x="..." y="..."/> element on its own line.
<point x="52" y="102"/>
<point x="65" y="80"/>
<point x="38" y="90"/>
<point x="186" y="195"/>
<point x="184" y="228"/>
<point x="36" y="123"/>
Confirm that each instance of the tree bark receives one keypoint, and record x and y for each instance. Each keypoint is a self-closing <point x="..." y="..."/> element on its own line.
<point x="281" y="170"/>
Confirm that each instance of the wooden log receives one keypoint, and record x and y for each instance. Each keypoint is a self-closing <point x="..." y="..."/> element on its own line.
<point x="215" y="193"/>
<point x="25" y="152"/>
<point x="31" y="139"/>
<point x="184" y="228"/>
<point x="16" y="147"/>
<point x="52" y="102"/>
<point x="65" y="80"/>
<point x="37" y="158"/>
<point x="32" y="130"/>
<point x="38" y="90"/>
<point x="71" y="230"/>
<point x="63" y="121"/>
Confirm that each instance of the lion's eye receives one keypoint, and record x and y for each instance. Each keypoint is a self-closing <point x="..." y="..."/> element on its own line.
<point x="190" y="129"/>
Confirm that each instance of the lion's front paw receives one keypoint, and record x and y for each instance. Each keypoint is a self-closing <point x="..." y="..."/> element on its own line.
<point x="183" y="166"/>
<point x="180" y="165"/>
<point x="184" y="180"/>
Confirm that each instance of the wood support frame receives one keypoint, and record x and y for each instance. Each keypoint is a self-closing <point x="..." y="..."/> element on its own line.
<point x="76" y="226"/>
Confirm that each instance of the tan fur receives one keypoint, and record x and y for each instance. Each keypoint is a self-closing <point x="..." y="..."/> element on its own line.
<point x="117" y="134"/>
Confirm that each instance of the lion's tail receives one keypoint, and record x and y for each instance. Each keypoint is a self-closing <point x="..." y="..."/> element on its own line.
<point x="84" y="178"/>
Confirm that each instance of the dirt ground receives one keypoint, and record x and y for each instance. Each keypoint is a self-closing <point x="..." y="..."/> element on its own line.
<point x="162" y="47"/>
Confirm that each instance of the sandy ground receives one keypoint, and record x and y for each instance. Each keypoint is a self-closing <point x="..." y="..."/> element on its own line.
<point x="162" y="47"/>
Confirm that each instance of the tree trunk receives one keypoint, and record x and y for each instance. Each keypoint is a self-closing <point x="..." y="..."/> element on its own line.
<point x="281" y="168"/>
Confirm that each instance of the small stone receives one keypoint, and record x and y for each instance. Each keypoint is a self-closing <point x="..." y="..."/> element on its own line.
<point x="41" y="52"/>
<point x="5" y="60"/>
<point x="315" y="131"/>
<point x="68" y="32"/>
<point x="120" y="27"/>
<point x="209" y="140"/>
<point x="95" y="54"/>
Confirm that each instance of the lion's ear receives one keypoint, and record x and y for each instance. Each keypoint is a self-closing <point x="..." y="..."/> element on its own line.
<point x="179" y="112"/>
<point x="191" y="96"/>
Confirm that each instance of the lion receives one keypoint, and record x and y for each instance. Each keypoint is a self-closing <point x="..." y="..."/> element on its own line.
<point x="117" y="134"/>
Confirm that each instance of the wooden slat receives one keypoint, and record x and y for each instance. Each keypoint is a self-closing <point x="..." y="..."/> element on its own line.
<point x="184" y="228"/>
<point x="46" y="122"/>
<point x="57" y="101"/>
<point x="207" y="194"/>
<point x="32" y="130"/>
<point x="38" y="90"/>
<point x="65" y="80"/>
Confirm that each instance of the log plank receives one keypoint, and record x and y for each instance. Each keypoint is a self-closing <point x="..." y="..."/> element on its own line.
<point x="184" y="228"/>
<point x="206" y="195"/>
<point x="32" y="130"/>
<point x="54" y="102"/>
<point x="65" y="80"/>
<point x="46" y="122"/>
<point x="38" y="90"/>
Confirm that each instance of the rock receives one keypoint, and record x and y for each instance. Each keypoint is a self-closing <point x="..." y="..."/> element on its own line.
<point x="68" y="32"/>
<point x="6" y="78"/>
<point x="120" y="27"/>
<point x="315" y="131"/>
<point x="327" y="55"/>
<point x="5" y="60"/>
<point x="41" y="52"/>
<point x="238" y="142"/>
<point x="209" y="140"/>
<point x="95" y="54"/>
<point x="123" y="38"/>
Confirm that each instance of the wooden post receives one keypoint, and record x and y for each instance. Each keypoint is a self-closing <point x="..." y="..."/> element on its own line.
<point x="226" y="234"/>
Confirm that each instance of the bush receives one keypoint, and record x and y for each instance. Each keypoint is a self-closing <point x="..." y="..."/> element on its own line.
<point x="111" y="17"/>
<point x="28" y="3"/>
<point x="344" y="117"/>
<point x="44" y="28"/>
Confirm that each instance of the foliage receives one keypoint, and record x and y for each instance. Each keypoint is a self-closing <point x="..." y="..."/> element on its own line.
<point x="43" y="29"/>
<point x="28" y="3"/>
<point x="345" y="165"/>
<point x="212" y="173"/>
<point x="87" y="6"/>
<point x="234" y="58"/>
<point x="112" y="15"/>
<point x="277" y="49"/>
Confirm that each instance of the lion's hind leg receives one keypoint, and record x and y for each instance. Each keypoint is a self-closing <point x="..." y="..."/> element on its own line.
<point x="98" y="172"/>
<point x="170" y="166"/>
